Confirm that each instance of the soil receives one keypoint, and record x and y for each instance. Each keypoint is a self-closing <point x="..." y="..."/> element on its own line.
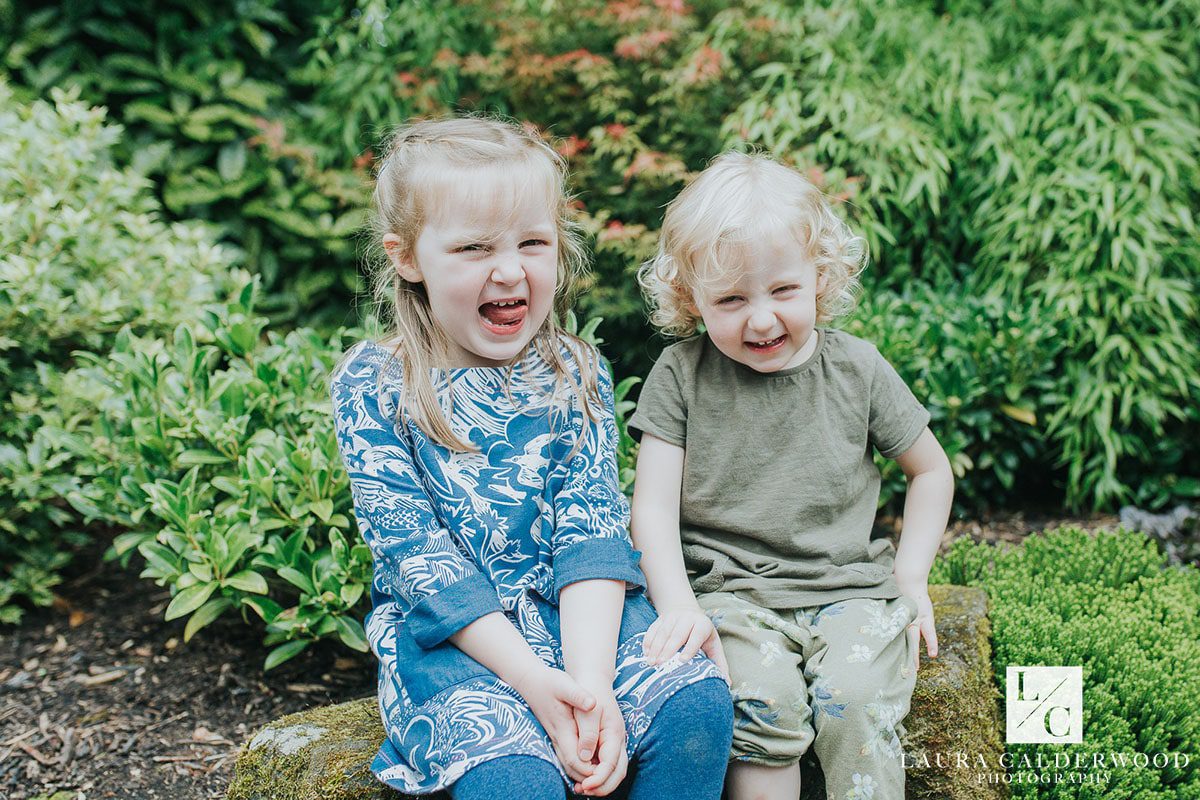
<point x="99" y="698"/>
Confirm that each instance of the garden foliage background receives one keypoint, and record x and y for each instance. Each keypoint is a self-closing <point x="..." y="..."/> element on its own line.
<point x="183" y="188"/>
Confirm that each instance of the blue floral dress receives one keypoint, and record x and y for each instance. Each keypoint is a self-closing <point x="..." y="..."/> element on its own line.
<point x="458" y="535"/>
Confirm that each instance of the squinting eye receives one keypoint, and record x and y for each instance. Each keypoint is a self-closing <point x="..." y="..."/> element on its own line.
<point x="468" y="248"/>
<point x="724" y="301"/>
<point x="535" y="243"/>
<point x="786" y="289"/>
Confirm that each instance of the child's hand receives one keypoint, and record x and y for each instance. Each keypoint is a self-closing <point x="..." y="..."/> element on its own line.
<point x="555" y="698"/>
<point x="684" y="631"/>
<point x="601" y="739"/>
<point x="923" y="625"/>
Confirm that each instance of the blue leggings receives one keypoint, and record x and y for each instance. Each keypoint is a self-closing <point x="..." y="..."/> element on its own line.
<point x="683" y="754"/>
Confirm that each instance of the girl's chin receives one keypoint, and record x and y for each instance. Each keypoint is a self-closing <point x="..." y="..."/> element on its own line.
<point x="491" y="349"/>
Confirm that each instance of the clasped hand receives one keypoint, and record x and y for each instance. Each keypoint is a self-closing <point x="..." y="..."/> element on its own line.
<point x="584" y="724"/>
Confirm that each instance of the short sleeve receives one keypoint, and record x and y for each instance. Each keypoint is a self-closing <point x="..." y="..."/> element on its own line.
<point x="417" y="562"/>
<point x="662" y="406"/>
<point x="897" y="417"/>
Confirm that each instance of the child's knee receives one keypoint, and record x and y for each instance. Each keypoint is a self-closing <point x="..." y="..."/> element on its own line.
<point x="772" y="727"/>
<point x="875" y="697"/>
<point x="499" y="777"/>
<point x="697" y="721"/>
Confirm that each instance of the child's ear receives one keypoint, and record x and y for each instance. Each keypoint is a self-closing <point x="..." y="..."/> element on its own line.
<point x="403" y="263"/>
<point x="821" y="283"/>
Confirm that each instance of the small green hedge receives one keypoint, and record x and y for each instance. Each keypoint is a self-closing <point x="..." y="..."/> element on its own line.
<point x="83" y="253"/>
<point x="1109" y="603"/>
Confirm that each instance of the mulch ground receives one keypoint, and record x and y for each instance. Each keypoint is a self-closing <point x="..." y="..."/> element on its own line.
<point x="99" y="698"/>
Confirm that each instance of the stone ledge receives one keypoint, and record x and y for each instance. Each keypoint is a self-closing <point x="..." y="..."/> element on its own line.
<point x="325" y="753"/>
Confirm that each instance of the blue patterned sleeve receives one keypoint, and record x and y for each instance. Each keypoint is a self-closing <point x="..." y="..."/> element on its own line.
<point x="416" y="560"/>
<point x="591" y="528"/>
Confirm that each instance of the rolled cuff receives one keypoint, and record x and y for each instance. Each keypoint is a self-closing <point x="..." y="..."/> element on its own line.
<point x="439" y="616"/>
<point x="609" y="558"/>
<point x="916" y="427"/>
<point x="639" y="424"/>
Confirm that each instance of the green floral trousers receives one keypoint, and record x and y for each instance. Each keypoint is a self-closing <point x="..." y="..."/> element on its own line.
<point x="838" y="677"/>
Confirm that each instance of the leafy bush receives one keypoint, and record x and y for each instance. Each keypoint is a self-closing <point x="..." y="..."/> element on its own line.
<point x="1105" y="602"/>
<point x="199" y="88"/>
<point x="83" y="252"/>
<point x="982" y="149"/>
<point x="221" y="467"/>
<point x="1000" y="154"/>
<point x="1090" y="213"/>
<point x="222" y="470"/>
<point x="982" y="367"/>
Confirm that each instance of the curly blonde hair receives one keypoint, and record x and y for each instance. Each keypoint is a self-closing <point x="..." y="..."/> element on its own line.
<point x="421" y="175"/>
<point x="737" y="200"/>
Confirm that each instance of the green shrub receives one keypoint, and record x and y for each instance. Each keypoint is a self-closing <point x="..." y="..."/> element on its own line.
<point x="1106" y="602"/>
<point x="216" y="459"/>
<point x="982" y="367"/>
<point x="211" y="110"/>
<point x="997" y="150"/>
<point x="982" y="149"/>
<point x="1089" y="211"/>
<point x="83" y="252"/>
<point x="220" y="466"/>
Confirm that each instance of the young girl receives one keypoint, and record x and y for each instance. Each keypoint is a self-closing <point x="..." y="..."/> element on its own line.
<point x="508" y="610"/>
<point x="756" y="453"/>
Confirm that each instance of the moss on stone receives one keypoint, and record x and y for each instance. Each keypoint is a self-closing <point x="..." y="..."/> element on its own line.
<point x="325" y="753"/>
<point x="955" y="704"/>
<point x="333" y="764"/>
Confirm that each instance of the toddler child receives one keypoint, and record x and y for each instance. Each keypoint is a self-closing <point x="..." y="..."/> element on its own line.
<point x="756" y="488"/>
<point x="507" y="605"/>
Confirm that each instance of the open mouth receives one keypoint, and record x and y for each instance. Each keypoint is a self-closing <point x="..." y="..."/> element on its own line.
<point x="503" y="316"/>
<point x="767" y="345"/>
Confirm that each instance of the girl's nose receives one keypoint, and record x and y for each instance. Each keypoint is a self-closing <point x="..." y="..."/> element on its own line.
<point x="507" y="269"/>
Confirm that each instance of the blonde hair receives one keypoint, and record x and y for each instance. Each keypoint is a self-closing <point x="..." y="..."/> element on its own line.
<point x="422" y="158"/>
<point x="734" y="202"/>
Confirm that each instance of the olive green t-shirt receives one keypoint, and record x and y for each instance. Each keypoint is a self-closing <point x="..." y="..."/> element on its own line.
<point x="779" y="484"/>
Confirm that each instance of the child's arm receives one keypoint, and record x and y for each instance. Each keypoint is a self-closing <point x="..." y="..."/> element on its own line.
<point x="416" y="562"/>
<point x="681" y="625"/>
<point x="926" y="511"/>
<point x="590" y="612"/>
<point x="594" y="562"/>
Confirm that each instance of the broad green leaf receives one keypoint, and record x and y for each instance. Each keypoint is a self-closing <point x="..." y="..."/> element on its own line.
<point x="205" y="615"/>
<point x="189" y="600"/>
<point x="322" y="508"/>
<point x="248" y="581"/>
<point x="284" y="652"/>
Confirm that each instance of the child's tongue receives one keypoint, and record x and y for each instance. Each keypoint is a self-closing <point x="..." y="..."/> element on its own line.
<point x="502" y="315"/>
